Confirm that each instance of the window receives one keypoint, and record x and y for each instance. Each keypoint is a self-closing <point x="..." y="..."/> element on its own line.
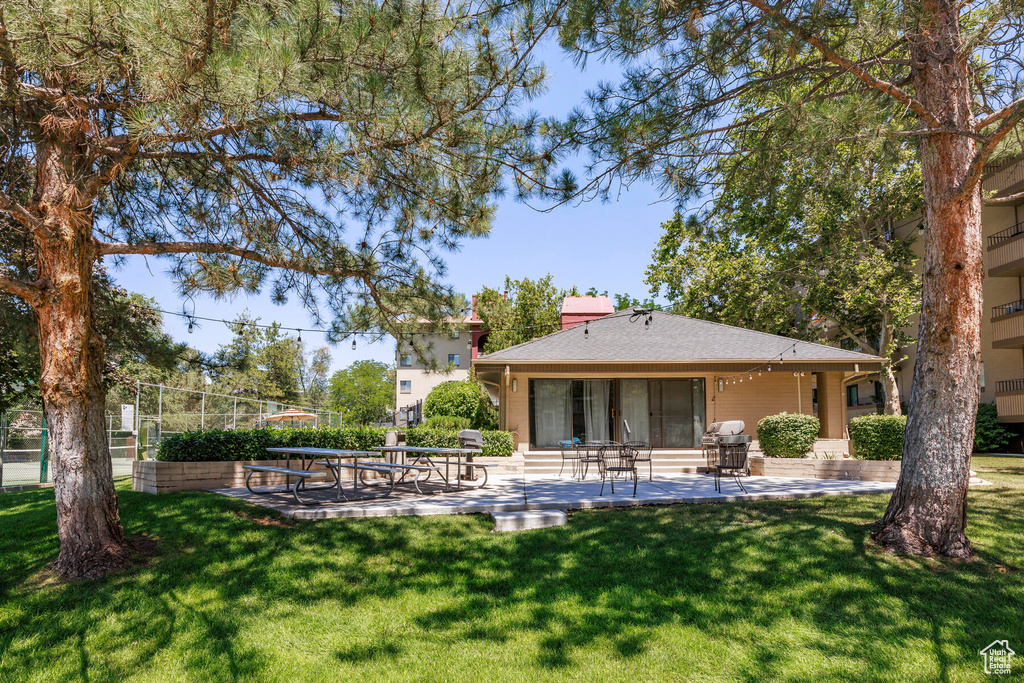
<point x="453" y="358"/>
<point x="852" y="395"/>
<point x="405" y="386"/>
<point x="406" y="361"/>
<point x="455" y="334"/>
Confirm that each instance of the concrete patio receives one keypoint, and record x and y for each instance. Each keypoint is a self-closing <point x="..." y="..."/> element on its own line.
<point x="545" y="492"/>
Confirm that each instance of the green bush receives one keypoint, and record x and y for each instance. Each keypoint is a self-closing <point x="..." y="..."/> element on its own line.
<point x="466" y="399"/>
<point x="252" y="444"/>
<point x="989" y="435"/>
<point x="448" y="422"/>
<point x="496" y="443"/>
<point x="787" y="435"/>
<point x="878" y="437"/>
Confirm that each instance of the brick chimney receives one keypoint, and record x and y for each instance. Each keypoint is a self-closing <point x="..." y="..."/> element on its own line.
<point x="577" y="310"/>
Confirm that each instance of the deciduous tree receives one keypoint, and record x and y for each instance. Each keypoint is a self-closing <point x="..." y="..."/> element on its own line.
<point x="803" y="245"/>
<point x="363" y="392"/>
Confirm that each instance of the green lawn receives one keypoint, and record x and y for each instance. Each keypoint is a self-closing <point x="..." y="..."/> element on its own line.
<point x="759" y="591"/>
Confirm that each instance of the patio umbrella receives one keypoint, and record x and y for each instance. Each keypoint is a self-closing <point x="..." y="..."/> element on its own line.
<point x="291" y="415"/>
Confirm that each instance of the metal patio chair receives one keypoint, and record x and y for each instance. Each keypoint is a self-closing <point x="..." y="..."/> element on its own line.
<point x="733" y="457"/>
<point x="589" y="454"/>
<point x="615" y="461"/>
<point x="643" y="455"/>
<point x="570" y="453"/>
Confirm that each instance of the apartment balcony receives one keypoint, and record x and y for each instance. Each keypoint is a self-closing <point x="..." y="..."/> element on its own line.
<point x="1010" y="400"/>
<point x="1008" y="325"/>
<point x="1006" y="252"/>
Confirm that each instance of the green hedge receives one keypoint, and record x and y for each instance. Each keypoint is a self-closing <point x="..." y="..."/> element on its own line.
<point x="878" y="437"/>
<point x="496" y="443"/>
<point x="787" y="435"/>
<point x="252" y="444"/>
<point x="449" y="422"/>
<point x="989" y="435"/>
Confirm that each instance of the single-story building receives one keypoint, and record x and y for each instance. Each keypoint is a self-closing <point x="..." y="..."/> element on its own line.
<point x="664" y="378"/>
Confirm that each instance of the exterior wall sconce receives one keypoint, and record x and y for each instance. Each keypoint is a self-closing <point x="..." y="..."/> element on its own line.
<point x="721" y="385"/>
<point x="515" y="385"/>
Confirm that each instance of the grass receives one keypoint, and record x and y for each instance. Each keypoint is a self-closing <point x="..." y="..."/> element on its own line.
<point x="790" y="590"/>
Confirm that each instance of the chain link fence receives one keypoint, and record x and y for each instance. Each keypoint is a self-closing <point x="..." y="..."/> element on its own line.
<point x="135" y="431"/>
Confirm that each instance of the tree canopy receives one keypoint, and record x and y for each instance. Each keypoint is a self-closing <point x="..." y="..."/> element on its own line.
<point x="328" y="152"/>
<point x="805" y="247"/>
<point x="523" y="310"/>
<point x="363" y="392"/>
<point x="941" y="74"/>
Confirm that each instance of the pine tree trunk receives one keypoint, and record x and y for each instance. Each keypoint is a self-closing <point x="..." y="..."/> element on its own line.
<point x="927" y="512"/>
<point x="71" y="352"/>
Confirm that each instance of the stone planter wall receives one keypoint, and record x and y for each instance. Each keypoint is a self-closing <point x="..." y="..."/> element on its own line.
<point x="155" y="476"/>
<point x="846" y="468"/>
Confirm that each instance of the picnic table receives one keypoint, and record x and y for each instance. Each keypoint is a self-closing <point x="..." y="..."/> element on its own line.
<point x="463" y="457"/>
<point x="309" y="457"/>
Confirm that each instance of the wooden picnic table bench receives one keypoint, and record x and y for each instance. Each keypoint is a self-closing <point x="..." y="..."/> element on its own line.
<point x="300" y="478"/>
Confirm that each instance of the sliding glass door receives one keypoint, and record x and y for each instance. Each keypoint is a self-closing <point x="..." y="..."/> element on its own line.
<point x="636" y="410"/>
<point x="667" y="413"/>
<point x="677" y="412"/>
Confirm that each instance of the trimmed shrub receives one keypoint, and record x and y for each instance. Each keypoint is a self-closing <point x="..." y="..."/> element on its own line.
<point x="787" y="435"/>
<point x="466" y="399"/>
<point x="496" y="443"/>
<point x="989" y="435"/>
<point x="252" y="444"/>
<point x="448" y="422"/>
<point x="453" y="399"/>
<point x="878" y="437"/>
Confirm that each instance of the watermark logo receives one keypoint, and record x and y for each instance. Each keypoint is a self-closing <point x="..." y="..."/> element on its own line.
<point x="997" y="657"/>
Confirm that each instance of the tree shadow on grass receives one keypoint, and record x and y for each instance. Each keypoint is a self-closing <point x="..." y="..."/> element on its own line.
<point x="737" y="576"/>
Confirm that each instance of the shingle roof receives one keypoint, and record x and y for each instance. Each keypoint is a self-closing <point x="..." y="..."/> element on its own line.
<point x="670" y="338"/>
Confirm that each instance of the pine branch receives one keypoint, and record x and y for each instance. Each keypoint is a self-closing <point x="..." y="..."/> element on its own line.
<point x="161" y="248"/>
<point x="15" y="210"/>
<point x="854" y="68"/>
<point x="977" y="167"/>
<point x="1001" y="113"/>
<point x="30" y="292"/>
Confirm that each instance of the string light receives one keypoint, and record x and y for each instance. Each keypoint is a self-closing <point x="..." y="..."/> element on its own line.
<point x="586" y="330"/>
<point x="353" y="342"/>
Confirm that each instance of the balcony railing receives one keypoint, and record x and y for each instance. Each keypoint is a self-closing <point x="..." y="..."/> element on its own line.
<point x="1004" y="235"/>
<point x="1007" y="309"/>
<point x="1009" y="385"/>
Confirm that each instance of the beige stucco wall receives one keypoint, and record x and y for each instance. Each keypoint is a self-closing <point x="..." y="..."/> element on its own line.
<point x="750" y="400"/>
<point x="1000" y="364"/>
<point x="422" y="379"/>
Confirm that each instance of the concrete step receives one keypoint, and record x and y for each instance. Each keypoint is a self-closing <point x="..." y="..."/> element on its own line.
<point x="529" y="519"/>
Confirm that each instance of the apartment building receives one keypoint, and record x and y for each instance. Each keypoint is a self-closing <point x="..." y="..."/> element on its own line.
<point x="1002" y="329"/>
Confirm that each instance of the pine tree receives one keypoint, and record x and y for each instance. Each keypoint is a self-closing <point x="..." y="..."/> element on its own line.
<point x="329" y="151"/>
<point x="940" y="73"/>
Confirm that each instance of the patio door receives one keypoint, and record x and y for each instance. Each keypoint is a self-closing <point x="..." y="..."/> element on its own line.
<point x="676" y="412"/>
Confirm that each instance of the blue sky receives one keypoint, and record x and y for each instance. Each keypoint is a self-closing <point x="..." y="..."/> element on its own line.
<point x="604" y="245"/>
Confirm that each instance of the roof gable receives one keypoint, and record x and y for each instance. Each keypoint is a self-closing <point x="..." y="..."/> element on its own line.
<point x="623" y="336"/>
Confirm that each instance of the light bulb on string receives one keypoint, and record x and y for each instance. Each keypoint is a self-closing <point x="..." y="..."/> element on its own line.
<point x="300" y="337"/>
<point x="190" y="325"/>
<point x="586" y="330"/>
<point x="353" y="343"/>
